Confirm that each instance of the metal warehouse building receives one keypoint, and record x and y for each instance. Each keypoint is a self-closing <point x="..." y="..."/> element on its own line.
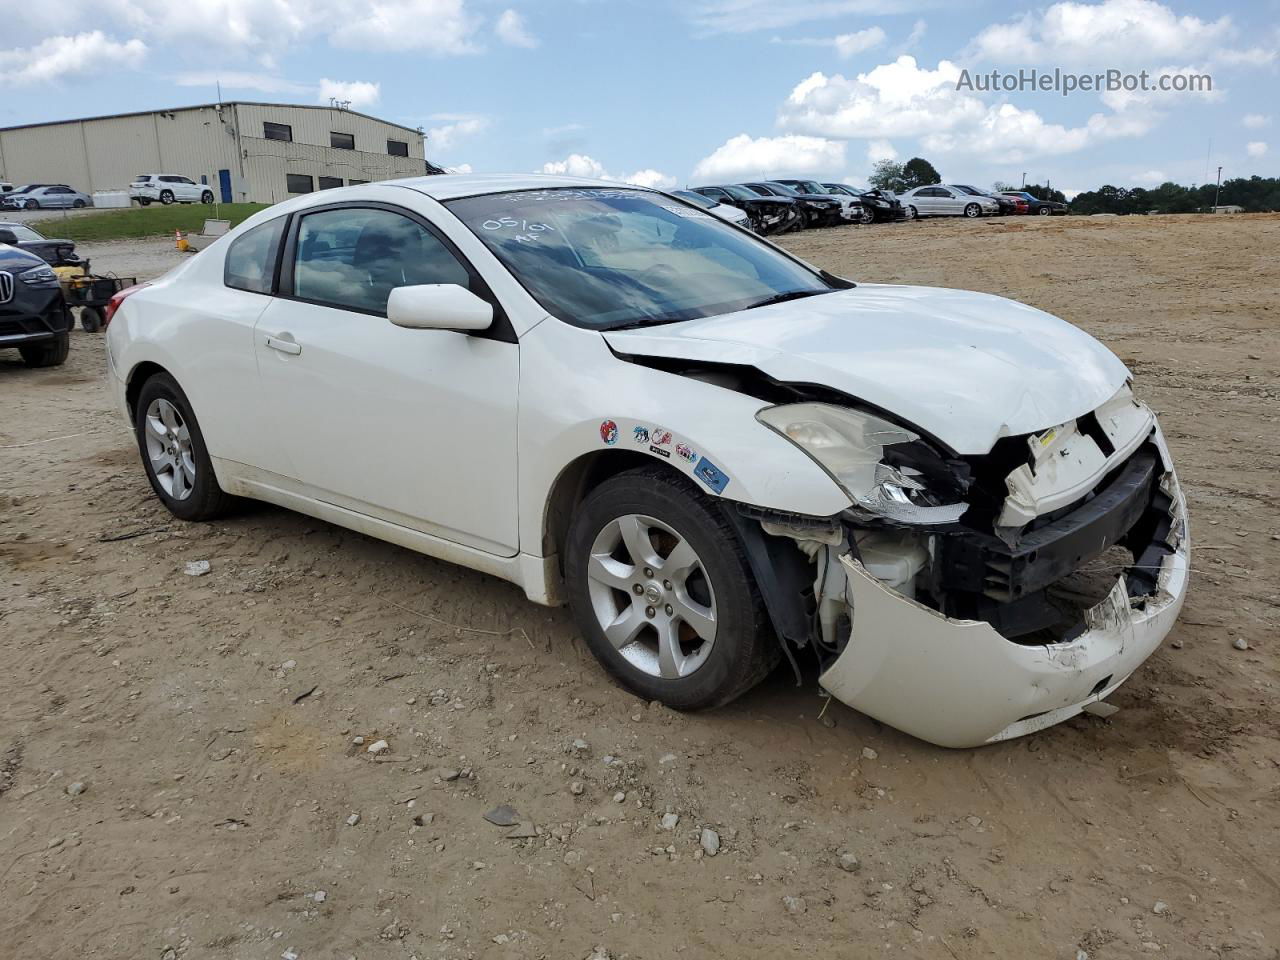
<point x="249" y="152"/>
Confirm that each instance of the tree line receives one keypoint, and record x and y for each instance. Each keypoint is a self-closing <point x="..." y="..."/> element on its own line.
<point x="1255" y="194"/>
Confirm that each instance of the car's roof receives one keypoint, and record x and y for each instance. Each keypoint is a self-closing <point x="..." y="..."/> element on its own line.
<point x="450" y="186"/>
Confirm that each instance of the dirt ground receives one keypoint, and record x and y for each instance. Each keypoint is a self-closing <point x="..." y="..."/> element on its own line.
<point x="227" y="811"/>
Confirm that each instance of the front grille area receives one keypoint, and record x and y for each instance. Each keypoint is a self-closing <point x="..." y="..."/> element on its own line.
<point x="6" y="286"/>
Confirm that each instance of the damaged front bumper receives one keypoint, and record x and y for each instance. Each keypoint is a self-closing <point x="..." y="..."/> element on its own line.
<point x="961" y="683"/>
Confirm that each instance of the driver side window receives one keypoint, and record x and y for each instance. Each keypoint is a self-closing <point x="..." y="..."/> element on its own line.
<point x="353" y="257"/>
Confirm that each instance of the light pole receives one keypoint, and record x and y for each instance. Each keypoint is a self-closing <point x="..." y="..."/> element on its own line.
<point x="1024" y="180"/>
<point x="1216" y="188"/>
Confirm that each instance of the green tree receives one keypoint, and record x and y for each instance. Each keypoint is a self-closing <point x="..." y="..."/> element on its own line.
<point x="887" y="175"/>
<point x="919" y="172"/>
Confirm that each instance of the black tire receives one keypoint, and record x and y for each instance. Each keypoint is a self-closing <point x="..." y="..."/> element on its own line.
<point x="207" y="198"/>
<point x="144" y="201"/>
<point x="78" y="204"/>
<point x="207" y="501"/>
<point x="1044" y="211"/>
<point x="92" y="318"/>
<point x="745" y="649"/>
<point x="47" y="353"/>
<point x="32" y="205"/>
<point x="166" y="197"/>
<point x="912" y="213"/>
<point x="972" y="211"/>
<point x="866" y="216"/>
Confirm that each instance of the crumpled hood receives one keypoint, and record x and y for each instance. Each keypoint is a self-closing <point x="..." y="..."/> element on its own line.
<point x="967" y="367"/>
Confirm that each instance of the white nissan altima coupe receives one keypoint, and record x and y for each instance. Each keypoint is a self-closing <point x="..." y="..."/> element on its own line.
<point x="948" y="505"/>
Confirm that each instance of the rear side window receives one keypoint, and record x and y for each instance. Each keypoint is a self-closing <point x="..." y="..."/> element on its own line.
<point x="353" y="257"/>
<point x="251" y="258"/>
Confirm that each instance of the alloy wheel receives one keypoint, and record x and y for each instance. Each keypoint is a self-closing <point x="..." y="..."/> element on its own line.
<point x="651" y="596"/>
<point x="169" y="449"/>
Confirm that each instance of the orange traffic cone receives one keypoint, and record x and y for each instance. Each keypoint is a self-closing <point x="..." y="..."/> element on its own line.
<point x="180" y="241"/>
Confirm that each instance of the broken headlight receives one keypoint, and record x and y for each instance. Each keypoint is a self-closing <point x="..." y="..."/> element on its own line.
<point x="851" y="447"/>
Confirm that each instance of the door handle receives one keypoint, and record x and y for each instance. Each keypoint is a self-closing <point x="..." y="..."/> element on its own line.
<point x="289" y="346"/>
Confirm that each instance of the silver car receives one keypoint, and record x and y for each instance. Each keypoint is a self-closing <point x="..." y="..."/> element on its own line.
<point x="45" y="196"/>
<point x="937" y="200"/>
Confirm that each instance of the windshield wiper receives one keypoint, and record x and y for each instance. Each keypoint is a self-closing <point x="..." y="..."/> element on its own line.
<point x="784" y="297"/>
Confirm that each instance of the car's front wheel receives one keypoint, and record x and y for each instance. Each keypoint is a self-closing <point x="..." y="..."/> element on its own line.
<point x="1044" y="211"/>
<point x="912" y="213"/>
<point x="32" y="205"/>
<point x="47" y="353"/>
<point x="173" y="452"/>
<point x="866" y="216"/>
<point x="972" y="210"/>
<point x="206" y="197"/>
<point x="661" y="589"/>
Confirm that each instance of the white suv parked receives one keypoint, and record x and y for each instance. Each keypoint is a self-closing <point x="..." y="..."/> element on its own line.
<point x="168" y="188"/>
<point x="950" y="504"/>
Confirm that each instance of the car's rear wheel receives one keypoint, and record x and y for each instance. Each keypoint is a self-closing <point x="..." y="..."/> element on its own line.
<point x="173" y="452"/>
<point x="661" y="589"/>
<point x="166" y="197"/>
<point x="1044" y="211"/>
<point x="92" y="318"/>
<point x="144" y="201"/>
<point x="972" y="210"/>
<point x="47" y="353"/>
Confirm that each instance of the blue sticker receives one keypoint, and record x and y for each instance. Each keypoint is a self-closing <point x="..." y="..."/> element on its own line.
<point x="711" y="475"/>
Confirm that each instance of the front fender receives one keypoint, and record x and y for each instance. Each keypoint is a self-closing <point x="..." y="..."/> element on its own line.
<point x="578" y="398"/>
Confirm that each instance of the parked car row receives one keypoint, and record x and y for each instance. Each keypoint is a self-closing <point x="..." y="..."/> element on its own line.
<point x="963" y="200"/>
<point x="146" y="188"/>
<point x="778" y="206"/>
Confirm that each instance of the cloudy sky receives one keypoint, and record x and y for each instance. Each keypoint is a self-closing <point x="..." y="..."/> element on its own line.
<point x="686" y="91"/>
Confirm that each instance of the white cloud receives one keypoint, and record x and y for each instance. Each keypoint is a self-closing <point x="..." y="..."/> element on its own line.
<point x="744" y="156"/>
<point x="903" y="99"/>
<point x="1151" y="178"/>
<point x="851" y="44"/>
<point x="581" y="165"/>
<point x="745" y="16"/>
<point x="266" y="29"/>
<point x="459" y="168"/>
<point x="655" y="179"/>
<point x="454" y="127"/>
<point x="359" y="93"/>
<point x="918" y="30"/>
<point x="576" y="165"/>
<point x="56" y="58"/>
<point x="1113" y="32"/>
<point x="511" y="30"/>
<point x="1256" y="148"/>
<point x="432" y="26"/>
<point x="880" y="150"/>
<point x="1256" y="121"/>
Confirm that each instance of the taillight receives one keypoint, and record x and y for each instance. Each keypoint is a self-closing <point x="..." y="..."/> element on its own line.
<point x="114" y="303"/>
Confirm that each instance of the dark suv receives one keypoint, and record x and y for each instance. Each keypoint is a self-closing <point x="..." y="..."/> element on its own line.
<point x="33" y="315"/>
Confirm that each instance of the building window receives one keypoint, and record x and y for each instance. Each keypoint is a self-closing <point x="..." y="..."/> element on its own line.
<point x="329" y="183"/>
<point x="352" y="183"/>
<point x="397" y="148"/>
<point x="299" y="183"/>
<point x="342" y="141"/>
<point x="277" y="131"/>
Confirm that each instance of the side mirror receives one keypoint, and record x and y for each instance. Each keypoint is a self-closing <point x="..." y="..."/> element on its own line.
<point x="438" y="306"/>
<point x="9" y="237"/>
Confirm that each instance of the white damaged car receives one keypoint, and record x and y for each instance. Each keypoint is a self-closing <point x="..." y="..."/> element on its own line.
<point x="946" y="505"/>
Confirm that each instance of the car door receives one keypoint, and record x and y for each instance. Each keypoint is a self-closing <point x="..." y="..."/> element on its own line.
<point x="415" y="427"/>
<point x="922" y="199"/>
<point x="54" y="198"/>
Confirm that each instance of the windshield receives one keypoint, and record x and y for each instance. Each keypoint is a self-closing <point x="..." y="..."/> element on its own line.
<point x="608" y="258"/>
<point x="810" y="186"/>
<point x="781" y="189"/>
<point x="741" y="193"/>
<point x="29" y="187"/>
<point x="696" y="198"/>
<point x="23" y="234"/>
